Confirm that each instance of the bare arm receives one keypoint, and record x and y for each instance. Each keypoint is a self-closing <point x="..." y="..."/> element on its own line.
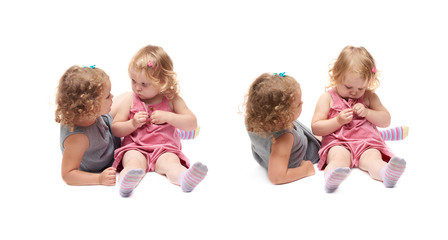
<point x="122" y="125"/>
<point x="181" y="117"/>
<point x="375" y="113"/>
<point x="320" y="124"/>
<point x="118" y="101"/>
<point x="74" y="148"/>
<point x="278" y="171"/>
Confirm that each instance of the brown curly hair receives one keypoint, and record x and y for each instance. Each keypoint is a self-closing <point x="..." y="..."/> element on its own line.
<point x="160" y="72"/>
<point x="269" y="104"/>
<point x="78" y="94"/>
<point x="357" y="60"/>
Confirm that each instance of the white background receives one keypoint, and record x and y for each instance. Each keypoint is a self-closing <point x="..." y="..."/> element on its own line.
<point x="218" y="49"/>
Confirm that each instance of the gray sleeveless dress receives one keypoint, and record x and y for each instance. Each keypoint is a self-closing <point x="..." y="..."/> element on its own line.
<point x="305" y="146"/>
<point x="102" y="144"/>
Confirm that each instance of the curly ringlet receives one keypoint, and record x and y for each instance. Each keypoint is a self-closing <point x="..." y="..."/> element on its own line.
<point x="78" y="95"/>
<point x="160" y="73"/>
<point x="269" y="104"/>
<point x="357" y="60"/>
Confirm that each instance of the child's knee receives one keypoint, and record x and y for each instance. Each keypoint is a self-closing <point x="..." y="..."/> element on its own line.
<point x="167" y="159"/>
<point x="134" y="158"/>
<point x="339" y="155"/>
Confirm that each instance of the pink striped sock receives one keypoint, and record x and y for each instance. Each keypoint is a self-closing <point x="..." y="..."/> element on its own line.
<point x="395" y="134"/>
<point x="130" y="181"/>
<point x="189" y="179"/>
<point x="334" y="178"/>
<point x="392" y="171"/>
<point x="188" y="135"/>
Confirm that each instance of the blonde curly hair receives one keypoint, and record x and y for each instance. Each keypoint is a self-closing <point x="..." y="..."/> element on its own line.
<point x="269" y="104"/>
<point x="78" y="95"/>
<point x="357" y="60"/>
<point x="158" y="66"/>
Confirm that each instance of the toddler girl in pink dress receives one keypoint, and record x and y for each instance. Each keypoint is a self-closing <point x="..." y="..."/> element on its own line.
<point x="148" y="120"/>
<point x="347" y="117"/>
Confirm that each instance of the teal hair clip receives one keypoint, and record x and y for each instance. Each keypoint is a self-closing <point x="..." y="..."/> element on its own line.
<point x="280" y="74"/>
<point x="91" y="66"/>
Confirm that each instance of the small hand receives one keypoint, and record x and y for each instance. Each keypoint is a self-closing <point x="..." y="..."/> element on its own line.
<point x="108" y="176"/>
<point x="360" y="110"/>
<point x="159" y="117"/>
<point x="345" y="116"/>
<point x="139" y="119"/>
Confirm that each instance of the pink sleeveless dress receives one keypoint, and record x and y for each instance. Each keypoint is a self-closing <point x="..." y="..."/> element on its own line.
<point x="151" y="140"/>
<point x="357" y="136"/>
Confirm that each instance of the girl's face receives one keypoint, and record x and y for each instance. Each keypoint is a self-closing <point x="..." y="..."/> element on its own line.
<point x="142" y="86"/>
<point x="297" y="105"/>
<point x="106" y="98"/>
<point x="352" y="86"/>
